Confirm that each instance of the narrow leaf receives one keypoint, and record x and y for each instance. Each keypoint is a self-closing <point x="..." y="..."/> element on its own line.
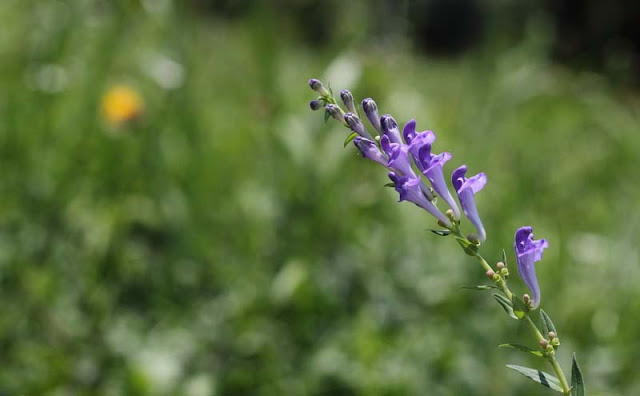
<point x="390" y="185"/>
<point x="538" y="376"/>
<point x="547" y="324"/>
<point x="350" y="138"/>
<point x="441" y="232"/>
<point x="519" y="307"/>
<point x="523" y="349"/>
<point x="505" y="304"/>
<point x="577" y="383"/>
<point x="480" y="287"/>
<point x="504" y="257"/>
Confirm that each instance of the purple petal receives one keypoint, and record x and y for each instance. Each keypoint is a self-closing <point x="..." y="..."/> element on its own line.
<point x="409" y="131"/>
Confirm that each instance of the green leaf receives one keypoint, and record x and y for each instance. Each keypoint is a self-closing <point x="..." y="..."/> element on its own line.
<point x="504" y="258"/>
<point x="440" y="232"/>
<point x="522" y="348"/>
<point x="538" y="376"/>
<point x="519" y="307"/>
<point x="505" y="304"/>
<point x="547" y="324"/>
<point x="480" y="287"/>
<point x="577" y="383"/>
<point x="350" y="138"/>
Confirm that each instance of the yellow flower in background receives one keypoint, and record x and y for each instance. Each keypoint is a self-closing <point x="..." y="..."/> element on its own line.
<point x="121" y="104"/>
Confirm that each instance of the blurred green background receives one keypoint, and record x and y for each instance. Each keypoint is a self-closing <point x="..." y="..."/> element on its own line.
<point x="218" y="240"/>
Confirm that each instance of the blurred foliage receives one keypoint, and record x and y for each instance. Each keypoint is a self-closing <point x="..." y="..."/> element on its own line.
<point x="223" y="242"/>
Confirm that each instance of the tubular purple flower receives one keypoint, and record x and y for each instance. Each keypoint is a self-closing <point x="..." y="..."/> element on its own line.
<point x="390" y="128"/>
<point x="398" y="154"/>
<point x="466" y="189"/>
<point x="431" y="166"/>
<point x="410" y="190"/>
<point x="371" y="110"/>
<point x="528" y="252"/>
<point x="347" y="99"/>
<point x="370" y="151"/>
<point x="356" y="125"/>
<point x="416" y="140"/>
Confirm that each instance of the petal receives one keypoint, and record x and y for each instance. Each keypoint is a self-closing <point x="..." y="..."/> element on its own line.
<point x="409" y="131"/>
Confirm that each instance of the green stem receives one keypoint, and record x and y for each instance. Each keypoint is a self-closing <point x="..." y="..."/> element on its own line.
<point x="502" y="285"/>
<point x="559" y="373"/>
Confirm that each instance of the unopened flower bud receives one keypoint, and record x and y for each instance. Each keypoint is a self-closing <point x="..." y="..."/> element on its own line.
<point x="356" y="125"/>
<point x="450" y="214"/>
<point x="526" y="299"/>
<point x="347" y="99"/>
<point x="490" y="274"/>
<point x="544" y="344"/>
<point x="390" y="128"/>
<point x="315" y="104"/>
<point x="552" y="335"/>
<point x="441" y="223"/>
<point x="335" y="111"/>
<point x="504" y="272"/>
<point x="500" y="265"/>
<point x="371" y="111"/>
<point x="473" y="238"/>
<point x="317" y="86"/>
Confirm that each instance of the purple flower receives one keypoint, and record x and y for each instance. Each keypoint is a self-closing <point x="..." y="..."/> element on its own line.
<point x="431" y="167"/>
<point x="390" y="128"/>
<point x="416" y="140"/>
<point x="370" y="151"/>
<point x="466" y="188"/>
<point x="356" y="125"/>
<point x="410" y="190"/>
<point x="371" y="110"/>
<point x="398" y="154"/>
<point x="528" y="252"/>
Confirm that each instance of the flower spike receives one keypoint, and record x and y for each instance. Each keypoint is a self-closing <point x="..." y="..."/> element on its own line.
<point x="528" y="252"/>
<point x="466" y="189"/>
